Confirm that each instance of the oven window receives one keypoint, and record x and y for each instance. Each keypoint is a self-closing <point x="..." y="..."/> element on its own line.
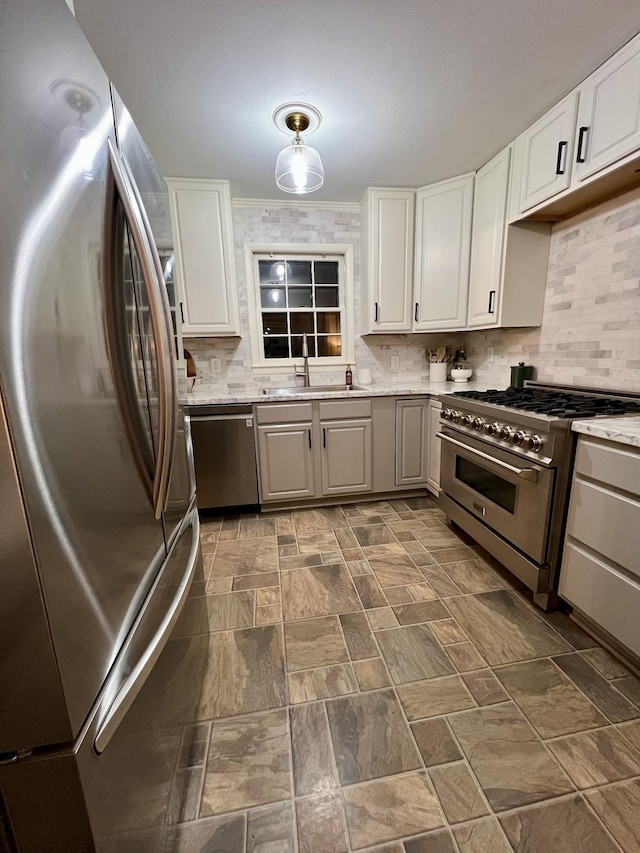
<point x="491" y="486"/>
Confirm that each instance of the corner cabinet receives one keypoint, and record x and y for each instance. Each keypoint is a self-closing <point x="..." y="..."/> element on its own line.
<point x="443" y="240"/>
<point x="386" y="260"/>
<point x="508" y="271"/>
<point x="205" y="257"/>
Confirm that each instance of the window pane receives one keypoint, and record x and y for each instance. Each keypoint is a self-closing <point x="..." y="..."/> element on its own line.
<point x="330" y="345"/>
<point x="272" y="297"/>
<point x="299" y="272"/>
<point x="300" y="297"/>
<point x="274" y="324"/>
<point x="327" y="297"/>
<point x="271" y="271"/>
<point x="328" y="321"/>
<point x="302" y="323"/>
<point x="326" y="272"/>
<point x="276" y="347"/>
<point x="296" y="346"/>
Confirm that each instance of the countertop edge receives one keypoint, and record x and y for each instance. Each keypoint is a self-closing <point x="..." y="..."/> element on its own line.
<point x="625" y="430"/>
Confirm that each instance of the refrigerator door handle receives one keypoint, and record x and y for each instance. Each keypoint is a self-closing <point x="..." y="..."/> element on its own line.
<point x="140" y="672"/>
<point x="166" y="395"/>
<point x="164" y="309"/>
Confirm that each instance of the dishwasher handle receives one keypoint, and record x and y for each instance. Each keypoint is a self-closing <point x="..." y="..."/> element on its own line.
<point x="247" y="417"/>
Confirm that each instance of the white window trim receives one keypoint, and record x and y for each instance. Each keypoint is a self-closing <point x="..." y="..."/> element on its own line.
<point x="316" y="364"/>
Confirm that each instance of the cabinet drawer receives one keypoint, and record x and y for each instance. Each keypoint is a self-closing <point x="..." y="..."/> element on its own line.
<point x="332" y="409"/>
<point x="600" y="592"/>
<point x="607" y="522"/>
<point x="614" y="466"/>
<point x="283" y="413"/>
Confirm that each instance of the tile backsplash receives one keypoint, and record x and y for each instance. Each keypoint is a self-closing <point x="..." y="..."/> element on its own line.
<point x="590" y="334"/>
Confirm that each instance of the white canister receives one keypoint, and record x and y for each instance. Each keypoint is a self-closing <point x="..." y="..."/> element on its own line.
<point x="438" y="371"/>
<point x="364" y="376"/>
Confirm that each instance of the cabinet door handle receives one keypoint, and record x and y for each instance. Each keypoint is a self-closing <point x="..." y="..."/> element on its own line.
<point x="492" y="298"/>
<point x="181" y="312"/>
<point x="376" y="313"/>
<point x="559" y="167"/>
<point x="580" y="158"/>
<point x="415" y="315"/>
<point x="309" y="432"/>
<point x="324" y="437"/>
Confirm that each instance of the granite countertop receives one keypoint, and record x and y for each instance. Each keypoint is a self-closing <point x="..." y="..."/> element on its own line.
<point x="625" y="430"/>
<point x="431" y="389"/>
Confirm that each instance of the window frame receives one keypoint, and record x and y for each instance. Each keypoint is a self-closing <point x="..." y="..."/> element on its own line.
<point x="315" y="251"/>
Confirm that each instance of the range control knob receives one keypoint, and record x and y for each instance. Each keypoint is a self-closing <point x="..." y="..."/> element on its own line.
<point x="534" y="442"/>
<point x="505" y="433"/>
<point x="478" y="423"/>
<point x="519" y="437"/>
<point x="455" y="416"/>
<point x="492" y="429"/>
<point x="467" y="420"/>
<point x="446" y="414"/>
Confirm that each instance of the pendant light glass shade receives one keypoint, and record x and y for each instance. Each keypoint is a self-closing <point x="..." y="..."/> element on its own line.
<point x="299" y="168"/>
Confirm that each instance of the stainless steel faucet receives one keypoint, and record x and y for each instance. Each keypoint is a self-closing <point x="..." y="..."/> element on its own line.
<point x="305" y="368"/>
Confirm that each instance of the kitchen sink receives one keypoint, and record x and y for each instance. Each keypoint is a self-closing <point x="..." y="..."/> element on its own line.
<point x="298" y="390"/>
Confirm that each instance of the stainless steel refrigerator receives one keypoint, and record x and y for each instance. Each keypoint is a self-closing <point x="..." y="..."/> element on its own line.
<point x="99" y="535"/>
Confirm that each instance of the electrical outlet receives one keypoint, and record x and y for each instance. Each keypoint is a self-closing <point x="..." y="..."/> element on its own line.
<point x="215" y="365"/>
<point x="395" y="362"/>
<point x="490" y="351"/>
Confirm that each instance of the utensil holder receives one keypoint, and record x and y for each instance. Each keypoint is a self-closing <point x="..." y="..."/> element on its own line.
<point x="364" y="376"/>
<point x="438" y="371"/>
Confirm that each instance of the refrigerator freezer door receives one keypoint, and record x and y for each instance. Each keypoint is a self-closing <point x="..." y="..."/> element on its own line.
<point x="95" y="540"/>
<point x="132" y="794"/>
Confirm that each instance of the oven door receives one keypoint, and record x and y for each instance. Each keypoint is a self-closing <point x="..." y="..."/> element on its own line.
<point x="508" y="493"/>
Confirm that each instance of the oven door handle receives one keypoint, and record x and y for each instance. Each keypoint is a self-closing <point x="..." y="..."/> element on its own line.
<point x="524" y="473"/>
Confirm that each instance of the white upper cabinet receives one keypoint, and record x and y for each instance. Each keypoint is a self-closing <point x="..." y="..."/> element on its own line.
<point x="509" y="262"/>
<point x="443" y="240"/>
<point x="609" y="113"/>
<point x="205" y="258"/>
<point x="387" y="217"/>
<point x="487" y="240"/>
<point x="544" y="154"/>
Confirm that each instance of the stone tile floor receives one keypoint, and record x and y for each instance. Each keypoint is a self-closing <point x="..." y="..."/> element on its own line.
<point x="376" y="683"/>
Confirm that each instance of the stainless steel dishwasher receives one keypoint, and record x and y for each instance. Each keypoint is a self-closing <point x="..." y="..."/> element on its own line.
<point x="225" y="455"/>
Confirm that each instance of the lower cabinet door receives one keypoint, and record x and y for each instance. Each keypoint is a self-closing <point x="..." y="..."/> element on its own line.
<point x="285" y="456"/>
<point x="433" y="479"/>
<point x="411" y="441"/>
<point x="346" y="456"/>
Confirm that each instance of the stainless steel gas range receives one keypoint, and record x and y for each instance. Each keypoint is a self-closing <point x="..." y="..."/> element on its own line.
<point x="506" y="464"/>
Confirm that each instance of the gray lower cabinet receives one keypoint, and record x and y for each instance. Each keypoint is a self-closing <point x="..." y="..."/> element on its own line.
<point x="433" y="476"/>
<point x="286" y="467"/>
<point x="412" y="442"/>
<point x="346" y="456"/>
<point x="600" y="573"/>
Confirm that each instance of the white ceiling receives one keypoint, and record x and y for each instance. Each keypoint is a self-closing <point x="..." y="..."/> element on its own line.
<point x="411" y="91"/>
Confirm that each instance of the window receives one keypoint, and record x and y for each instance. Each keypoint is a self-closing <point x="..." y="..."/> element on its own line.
<point x="298" y="293"/>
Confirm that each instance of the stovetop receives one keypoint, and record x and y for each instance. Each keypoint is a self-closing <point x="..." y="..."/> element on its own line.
<point x="558" y="403"/>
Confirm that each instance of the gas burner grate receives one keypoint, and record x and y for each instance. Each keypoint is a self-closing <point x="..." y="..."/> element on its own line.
<point x="561" y="404"/>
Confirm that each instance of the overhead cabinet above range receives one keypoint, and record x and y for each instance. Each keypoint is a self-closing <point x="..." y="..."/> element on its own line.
<point x="586" y="147"/>
<point x="205" y="257"/>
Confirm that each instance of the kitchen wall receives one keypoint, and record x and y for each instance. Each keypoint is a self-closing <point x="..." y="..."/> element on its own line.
<point x="590" y="334"/>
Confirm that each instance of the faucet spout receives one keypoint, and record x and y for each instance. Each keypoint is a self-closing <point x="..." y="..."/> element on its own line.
<point x="305" y="357"/>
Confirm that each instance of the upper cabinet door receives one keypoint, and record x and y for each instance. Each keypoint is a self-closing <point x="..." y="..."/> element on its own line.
<point x="387" y="260"/>
<point x="609" y="112"/>
<point x="487" y="240"/>
<point x="443" y="241"/>
<point x="545" y="150"/>
<point x="205" y="258"/>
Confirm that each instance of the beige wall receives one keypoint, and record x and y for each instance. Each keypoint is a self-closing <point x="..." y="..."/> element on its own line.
<point x="590" y="334"/>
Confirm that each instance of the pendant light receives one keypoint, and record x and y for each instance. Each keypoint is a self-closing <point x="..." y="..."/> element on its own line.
<point x="298" y="167"/>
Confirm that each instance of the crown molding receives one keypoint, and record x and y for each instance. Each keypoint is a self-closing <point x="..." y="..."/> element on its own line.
<point x="280" y="204"/>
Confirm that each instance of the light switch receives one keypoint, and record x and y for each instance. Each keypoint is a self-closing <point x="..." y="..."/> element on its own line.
<point x="215" y="365"/>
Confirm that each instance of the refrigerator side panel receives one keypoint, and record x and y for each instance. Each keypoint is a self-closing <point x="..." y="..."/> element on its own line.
<point x="95" y="539"/>
<point x="29" y="677"/>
